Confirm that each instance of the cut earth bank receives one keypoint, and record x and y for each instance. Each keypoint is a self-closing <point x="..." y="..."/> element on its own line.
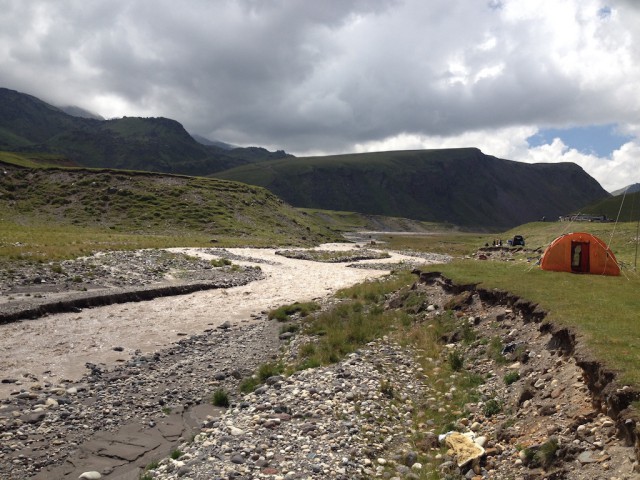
<point x="309" y="425"/>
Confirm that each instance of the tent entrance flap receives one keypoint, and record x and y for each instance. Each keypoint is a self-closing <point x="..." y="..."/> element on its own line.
<point x="580" y="257"/>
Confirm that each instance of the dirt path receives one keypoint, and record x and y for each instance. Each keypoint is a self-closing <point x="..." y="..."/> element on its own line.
<point x="58" y="346"/>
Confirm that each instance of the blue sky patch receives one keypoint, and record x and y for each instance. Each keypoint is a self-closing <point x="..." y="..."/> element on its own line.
<point x="600" y="140"/>
<point x="604" y="12"/>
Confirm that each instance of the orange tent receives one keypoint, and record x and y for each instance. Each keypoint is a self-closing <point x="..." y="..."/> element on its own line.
<point x="580" y="253"/>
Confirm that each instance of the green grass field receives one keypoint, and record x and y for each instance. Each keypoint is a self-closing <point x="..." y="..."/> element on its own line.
<point x="603" y="310"/>
<point x="621" y="238"/>
<point x="48" y="212"/>
<point x="43" y="243"/>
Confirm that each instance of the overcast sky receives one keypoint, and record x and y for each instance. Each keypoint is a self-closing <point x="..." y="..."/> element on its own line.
<point x="526" y="80"/>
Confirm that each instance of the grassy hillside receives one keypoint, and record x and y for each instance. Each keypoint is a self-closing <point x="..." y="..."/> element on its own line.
<point x="456" y="186"/>
<point x="611" y="207"/>
<point x="358" y="222"/>
<point x="621" y="237"/>
<point x="125" y="202"/>
<point x="26" y="120"/>
<point x="604" y="310"/>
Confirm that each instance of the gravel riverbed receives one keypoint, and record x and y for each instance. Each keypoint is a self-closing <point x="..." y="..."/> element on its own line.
<point x="45" y="414"/>
<point x="127" y="411"/>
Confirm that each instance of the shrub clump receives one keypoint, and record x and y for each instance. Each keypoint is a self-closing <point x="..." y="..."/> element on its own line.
<point x="546" y="454"/>
<point x="220" y="262"/>
<point x="456" y="361"/>
<point x="221" y="398"/>
<point x="511" y="377"/>
<point x="492" y="407"/>
<point x="265" y="371"/>
<point x="283" y="313"/>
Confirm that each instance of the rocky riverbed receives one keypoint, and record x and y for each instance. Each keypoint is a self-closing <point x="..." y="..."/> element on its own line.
<point x="365" y="417"/>
<point x="535" y="416"/>
<point x="44" y="362"/>
<point x="32" y="290"/>
<point x="117" y="419"/>
<point x="104" y="270"/>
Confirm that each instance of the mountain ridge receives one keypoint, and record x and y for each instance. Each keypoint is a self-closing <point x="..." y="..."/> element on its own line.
<point x="28" y="124"/>
<point x="458" y="186"/>
<point x="632" y="188"/>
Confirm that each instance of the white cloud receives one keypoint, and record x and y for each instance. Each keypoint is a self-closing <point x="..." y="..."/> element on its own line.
<point x="340" y="75"/>
<point x="614" y="172"/>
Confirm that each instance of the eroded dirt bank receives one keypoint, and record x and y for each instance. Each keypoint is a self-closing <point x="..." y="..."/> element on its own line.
<point x="558" y="413"/>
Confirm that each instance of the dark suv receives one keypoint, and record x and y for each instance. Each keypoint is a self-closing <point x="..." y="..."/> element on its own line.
<point x="518" y="240"/>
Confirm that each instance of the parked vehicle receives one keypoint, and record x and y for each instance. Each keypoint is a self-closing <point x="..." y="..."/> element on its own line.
<point x="518" y="240"/>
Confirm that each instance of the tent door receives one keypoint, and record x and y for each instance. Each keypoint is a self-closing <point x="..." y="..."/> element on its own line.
<point x="580" y="257"/>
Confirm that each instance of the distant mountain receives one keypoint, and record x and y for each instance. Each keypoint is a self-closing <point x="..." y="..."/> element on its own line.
<point x="80" y="112"/>
<point x="633" y="188"/>
<point x="212" y="143"/>
<point x="28" y="124"/>
<point x="458" y="186"/>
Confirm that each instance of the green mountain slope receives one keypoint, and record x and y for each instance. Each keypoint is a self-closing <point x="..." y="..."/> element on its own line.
<point x="458" y="186"/>
<point x="149" y="203"/>
<point x="625" y="208"/>
<point x="28" y="124"/>
<point x="26" y="120"/>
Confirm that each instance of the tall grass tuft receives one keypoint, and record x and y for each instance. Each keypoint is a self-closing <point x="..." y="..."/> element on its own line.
<point x="221" y="398"/>
<point x="283" y="313"/>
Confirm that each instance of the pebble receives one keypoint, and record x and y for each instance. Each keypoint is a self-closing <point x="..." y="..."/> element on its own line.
<point x="93" y="475"/>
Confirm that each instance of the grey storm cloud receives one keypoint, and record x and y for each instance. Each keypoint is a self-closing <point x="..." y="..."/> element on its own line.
<point x="306" y="75"/>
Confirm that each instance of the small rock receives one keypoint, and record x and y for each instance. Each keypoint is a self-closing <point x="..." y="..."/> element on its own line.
<point x="92" y="475"/>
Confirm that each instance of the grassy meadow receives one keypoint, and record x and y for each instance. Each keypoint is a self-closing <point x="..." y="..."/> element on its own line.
<point x="48" y="212"/>
<point x="44" y="243"/>
<point x="604" y="310"/>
